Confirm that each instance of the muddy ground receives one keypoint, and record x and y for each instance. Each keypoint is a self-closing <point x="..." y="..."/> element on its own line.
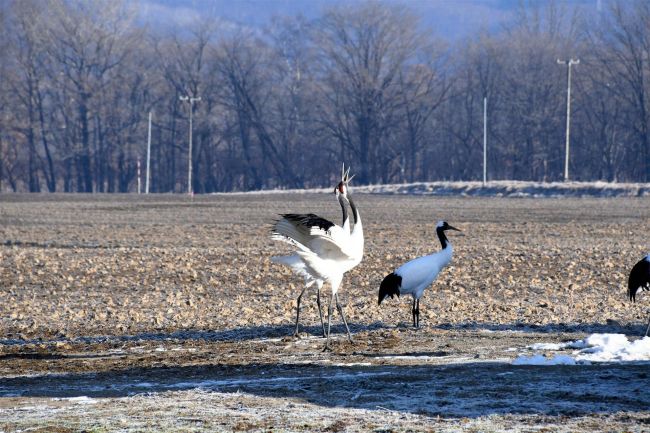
<point x="164" y="313"/>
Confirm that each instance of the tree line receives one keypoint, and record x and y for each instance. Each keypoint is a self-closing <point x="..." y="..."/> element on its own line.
<point x="283" y="106"/>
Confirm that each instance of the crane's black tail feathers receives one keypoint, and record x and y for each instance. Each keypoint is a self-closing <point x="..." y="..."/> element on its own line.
<point x="639" y="278"/>
<point x="390" y="286"/>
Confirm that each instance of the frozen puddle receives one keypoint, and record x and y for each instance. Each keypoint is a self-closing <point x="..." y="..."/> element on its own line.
<point x="408" y="357"/>
<point x="596" y="348"/>
<point x="461" y="389"/>
<point x="543" y="360"/>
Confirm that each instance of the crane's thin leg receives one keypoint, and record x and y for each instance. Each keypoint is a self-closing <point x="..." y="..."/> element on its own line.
<point x="647" y="329"/>
<point x="329" y="322"/>
<point x="413" y="312"/>
<point x="345" y="322"/>
<point x="295" y="332"/>
<point x="320" y="312"/>
<point x="417" y="312"/>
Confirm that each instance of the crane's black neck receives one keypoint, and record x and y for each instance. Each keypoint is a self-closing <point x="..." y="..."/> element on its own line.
<point x="355" y="214"/>
<point x="442" y="237"/>
<point x="344" y="209"/>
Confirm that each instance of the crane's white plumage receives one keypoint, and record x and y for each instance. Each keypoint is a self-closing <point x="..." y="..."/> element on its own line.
<point x="419" y="273"/>
<point x="303" y="231"/>
<point x="413" y="277"/>
<point x="639" y="280"/>
<point x="325" y="250"/>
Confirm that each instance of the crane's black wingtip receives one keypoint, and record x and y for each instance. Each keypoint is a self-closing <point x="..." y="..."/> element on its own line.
<point x="389" y="286"/>
<point x="308" y="220"/>
<point x="273" y="225"/>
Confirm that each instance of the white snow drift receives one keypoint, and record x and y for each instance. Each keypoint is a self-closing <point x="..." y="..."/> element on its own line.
<point x="595" y="348"/>
<point x="498" y="188"/>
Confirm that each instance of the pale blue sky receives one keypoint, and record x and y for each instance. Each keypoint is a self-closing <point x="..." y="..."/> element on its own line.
<point x="450" y="19"/>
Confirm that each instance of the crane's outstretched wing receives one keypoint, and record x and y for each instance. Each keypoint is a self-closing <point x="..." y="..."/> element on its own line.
<point x="311" y="233"/>
<point x="639" y="278"/>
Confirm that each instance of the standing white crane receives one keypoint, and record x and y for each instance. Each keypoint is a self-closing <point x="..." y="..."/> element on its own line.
<point x="325" y="252"/>
<point x="639" y="280"/>
<point x="416" y="275"/>
<point x="296" y="263"/>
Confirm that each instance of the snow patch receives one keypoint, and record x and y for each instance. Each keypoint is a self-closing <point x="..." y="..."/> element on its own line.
<point x="594" y="348"/>
<point x="505" y="188"/>
<point x="81" y="400"/>
<point x="578" y="344"/>
<point x="614" y="348"/>
<point x="546" y="346"/>
<point x="409" y="357"/>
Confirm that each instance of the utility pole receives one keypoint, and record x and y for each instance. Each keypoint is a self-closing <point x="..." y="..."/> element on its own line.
<point x="569" y="63"/>
<point x="484" y="140"/>
<point x="139" y="177"/>
<point x="146" y="181"/>
<point x="191" y="100"/>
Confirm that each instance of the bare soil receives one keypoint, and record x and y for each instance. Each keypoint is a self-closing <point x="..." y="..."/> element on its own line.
<point x="169" y="314"/>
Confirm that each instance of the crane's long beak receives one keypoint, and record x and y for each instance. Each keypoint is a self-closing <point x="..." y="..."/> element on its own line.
<point x="453" y="228"/>
<point x="348" y="178"/>
<point x="345" y="175"/>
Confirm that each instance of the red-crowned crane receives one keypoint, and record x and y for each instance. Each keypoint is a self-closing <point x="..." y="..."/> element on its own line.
<point x="325" y="252"/>
<point x="296" y="263"/>
<point x="639" y="280"/>
<point x="416" y="275"/>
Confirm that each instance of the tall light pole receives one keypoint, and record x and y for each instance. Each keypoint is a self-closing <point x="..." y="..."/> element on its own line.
<point x="569" y="63"/>
<point x="191" y="100"/>
<point x="146" y="182"/>
<point x="484" y="140"/>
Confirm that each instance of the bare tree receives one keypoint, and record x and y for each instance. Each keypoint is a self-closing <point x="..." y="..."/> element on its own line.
<point x="534" y="92"/>
<point x="249" y="93"/>
<point x="26" y="86"/>
<point x="363" y="51"/>
<point x="4" y="92"/>
<point x="621" y="55"/>
<point x="282" y="106"/>
<point x="423" y="87"/>
<point x="90" y="41"/>
<point x="185" y="61"/>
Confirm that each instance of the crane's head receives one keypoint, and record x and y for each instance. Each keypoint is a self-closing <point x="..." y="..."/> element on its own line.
<point x="342" y="187"/>
<point x="443" y="226"/>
